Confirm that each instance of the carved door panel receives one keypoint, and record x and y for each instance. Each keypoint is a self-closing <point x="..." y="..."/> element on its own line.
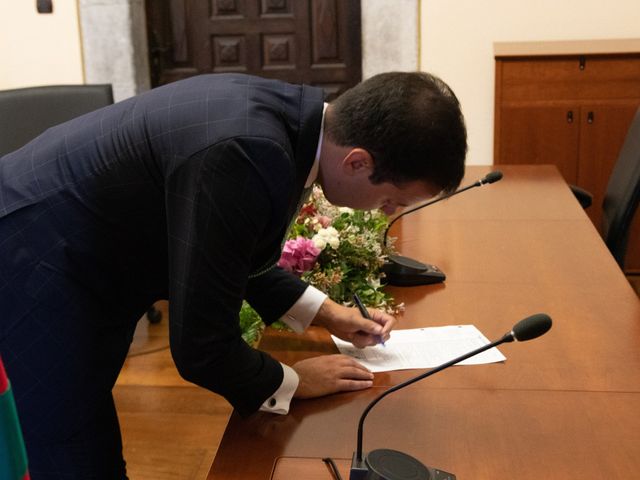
<point x="300" y="41"/>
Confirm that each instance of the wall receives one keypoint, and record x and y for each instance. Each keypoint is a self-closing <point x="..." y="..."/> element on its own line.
<point x="39" y="49"/>
<point x="114" y="38"/>
<point x="457" y="39"/>
<point x="390" y="32"/>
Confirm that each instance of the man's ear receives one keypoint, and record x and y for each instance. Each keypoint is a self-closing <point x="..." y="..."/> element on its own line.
<point x="357" y="161"/>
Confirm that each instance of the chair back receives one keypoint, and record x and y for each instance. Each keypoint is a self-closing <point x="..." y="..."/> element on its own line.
<point x="27" y="112"/>
<point x="623" y="194"/>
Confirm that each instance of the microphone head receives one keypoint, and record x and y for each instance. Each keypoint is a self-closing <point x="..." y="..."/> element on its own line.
<point x="531" y="327"/>
<point x="492" y="177"/>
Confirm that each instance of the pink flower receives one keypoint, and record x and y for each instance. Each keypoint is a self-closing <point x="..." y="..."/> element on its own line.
<point x="298" y="255"/>
<point x="323" y="220"/>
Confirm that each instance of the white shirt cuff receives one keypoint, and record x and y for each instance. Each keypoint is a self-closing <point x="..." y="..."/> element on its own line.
<point x="300" y="315"/>
<point x="298" y="318"/>
<point x="280" y="401"/>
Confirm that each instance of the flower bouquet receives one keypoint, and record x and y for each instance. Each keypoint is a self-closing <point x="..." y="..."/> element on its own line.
<point x="337" y="250"/>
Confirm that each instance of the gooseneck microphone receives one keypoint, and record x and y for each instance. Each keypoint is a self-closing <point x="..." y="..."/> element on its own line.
<point x="491" y="177"/>
<point x="405" y="272"/>
<point x="385" y="464"/>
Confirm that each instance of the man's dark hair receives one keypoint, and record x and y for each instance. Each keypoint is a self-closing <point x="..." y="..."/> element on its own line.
<point x="410" y="122"/>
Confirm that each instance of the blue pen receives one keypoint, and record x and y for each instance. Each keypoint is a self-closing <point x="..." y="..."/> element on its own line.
<point x="365" y="314"/>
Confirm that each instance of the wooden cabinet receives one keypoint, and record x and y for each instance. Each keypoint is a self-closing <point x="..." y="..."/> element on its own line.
<point x="570" y="105"/>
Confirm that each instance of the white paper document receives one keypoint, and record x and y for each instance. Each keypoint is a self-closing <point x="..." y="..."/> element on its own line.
<point x="423" y="348"/>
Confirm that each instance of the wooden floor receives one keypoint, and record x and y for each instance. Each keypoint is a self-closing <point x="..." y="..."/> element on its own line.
<point x="171" y="429"/>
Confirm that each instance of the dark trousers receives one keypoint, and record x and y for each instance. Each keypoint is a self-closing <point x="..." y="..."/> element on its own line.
<point x="93" y="453"/>
<point x="62" y="357"/>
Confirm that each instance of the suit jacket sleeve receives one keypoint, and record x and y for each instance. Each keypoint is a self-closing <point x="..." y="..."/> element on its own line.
<point x="274" y="293"/>
<point x="218" y="209"/>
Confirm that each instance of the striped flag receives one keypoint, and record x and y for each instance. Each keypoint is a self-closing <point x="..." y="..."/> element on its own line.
<point x="13" y="456"/>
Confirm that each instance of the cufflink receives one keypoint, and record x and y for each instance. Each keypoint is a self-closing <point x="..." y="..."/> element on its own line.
<point x="272" y="402"/>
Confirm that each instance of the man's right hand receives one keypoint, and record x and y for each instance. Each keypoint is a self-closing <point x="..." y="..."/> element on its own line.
<point x="329" y="374"/>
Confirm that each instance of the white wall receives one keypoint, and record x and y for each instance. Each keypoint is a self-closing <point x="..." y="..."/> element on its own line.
<point x="390" y="32"/>
<point x="114" y="35"/>
<point x="39" y="49"/>
<point x="457" y="39"/>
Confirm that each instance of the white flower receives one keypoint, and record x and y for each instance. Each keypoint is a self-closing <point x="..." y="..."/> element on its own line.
<point x="345" y="210"/>
<point x="326" y="236"/>
<point x="319" y="242"/>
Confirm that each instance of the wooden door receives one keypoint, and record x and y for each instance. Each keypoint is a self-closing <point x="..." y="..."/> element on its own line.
<point x="540" y="134"/>
<point x="317" y="42"/>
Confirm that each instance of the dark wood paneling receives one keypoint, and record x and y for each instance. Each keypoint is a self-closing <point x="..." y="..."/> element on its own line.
<point x="307" y="41"/>
<point x="179" y="31"/>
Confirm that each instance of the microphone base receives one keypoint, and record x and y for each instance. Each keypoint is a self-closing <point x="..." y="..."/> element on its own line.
<point x="405" y="272"/>
<point x="386" y="464"/>
<point x="359" y="469"/>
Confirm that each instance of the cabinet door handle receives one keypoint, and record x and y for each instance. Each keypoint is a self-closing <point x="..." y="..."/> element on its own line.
<point x="570" y="116"/>
<point x="590" y="117"/>
<point x="582" y="62"/>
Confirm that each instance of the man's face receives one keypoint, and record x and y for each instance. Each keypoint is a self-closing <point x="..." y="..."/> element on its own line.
<point x="364" y="195"/>
<point x="344" y="175"/>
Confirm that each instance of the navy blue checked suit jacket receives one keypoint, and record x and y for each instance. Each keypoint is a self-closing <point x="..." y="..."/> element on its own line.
<point x="184" y="192"/>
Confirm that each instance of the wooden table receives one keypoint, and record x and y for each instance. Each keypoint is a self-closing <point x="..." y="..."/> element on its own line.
<point x="564" y="406"/>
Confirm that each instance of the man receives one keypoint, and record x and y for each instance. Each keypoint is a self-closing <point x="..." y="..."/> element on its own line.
<point x="186" y="192"/>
